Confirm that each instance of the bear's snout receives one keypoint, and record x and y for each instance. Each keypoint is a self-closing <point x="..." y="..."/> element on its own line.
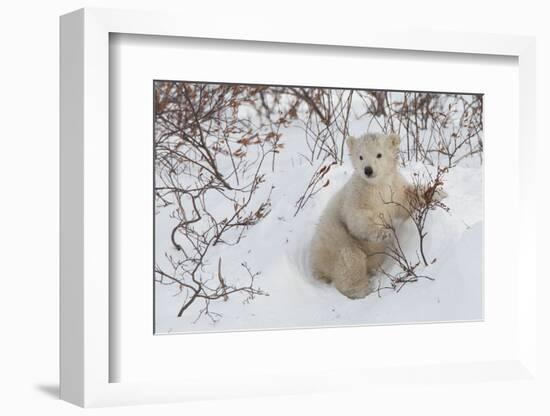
<point x="368" y="171"/>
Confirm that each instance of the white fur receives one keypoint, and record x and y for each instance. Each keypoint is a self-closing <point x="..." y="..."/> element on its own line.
<point x="349" y="234"/>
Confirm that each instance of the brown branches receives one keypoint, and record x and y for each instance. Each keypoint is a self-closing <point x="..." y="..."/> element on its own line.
<point x="324" y="119"/>
<point x="437" y="128"/>
<point x="422" y="197"/>
<point x="197" y="289"/>
<point x="209" y="163"/>
<point x="407" y="269"/>
<point x="316" y="183"/>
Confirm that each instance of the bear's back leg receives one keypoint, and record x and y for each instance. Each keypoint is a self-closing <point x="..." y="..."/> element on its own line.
<point x="322" y="259"/>
<point x="350" y="275"/>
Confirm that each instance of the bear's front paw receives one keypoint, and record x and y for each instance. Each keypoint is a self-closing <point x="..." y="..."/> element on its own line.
<point x="380" y="234"/>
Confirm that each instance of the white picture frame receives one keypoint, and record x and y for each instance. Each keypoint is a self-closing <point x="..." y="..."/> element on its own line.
<point x="85" y="165"/>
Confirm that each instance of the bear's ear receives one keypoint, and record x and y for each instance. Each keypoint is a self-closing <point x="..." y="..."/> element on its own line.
<point x="350" y="141"/>
<point x="395" y="140"/>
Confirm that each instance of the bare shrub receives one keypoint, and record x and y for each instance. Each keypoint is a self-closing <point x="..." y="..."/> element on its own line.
<point x="201" y="147"/>
<point x="437" y="129"/>
<point x="323" y="115"/>
<point x="423" y="197"/>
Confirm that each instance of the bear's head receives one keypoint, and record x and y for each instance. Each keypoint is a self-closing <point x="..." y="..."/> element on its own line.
<point x="374" y="156"/>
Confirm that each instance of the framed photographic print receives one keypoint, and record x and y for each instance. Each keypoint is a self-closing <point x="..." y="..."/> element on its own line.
<point x="267" y="207"/>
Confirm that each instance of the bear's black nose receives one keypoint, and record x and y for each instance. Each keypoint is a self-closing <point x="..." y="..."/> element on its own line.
<point x="368" y="171"/>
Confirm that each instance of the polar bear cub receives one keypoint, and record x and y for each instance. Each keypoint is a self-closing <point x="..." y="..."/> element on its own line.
<point x="349" y="239"/>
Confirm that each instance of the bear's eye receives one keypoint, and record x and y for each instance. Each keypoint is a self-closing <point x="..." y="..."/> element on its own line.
<point x="379" y="155"/>
<point x="360" y="157"/>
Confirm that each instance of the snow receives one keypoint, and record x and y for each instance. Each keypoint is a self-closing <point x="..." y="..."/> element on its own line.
<point x="277" y="247"/>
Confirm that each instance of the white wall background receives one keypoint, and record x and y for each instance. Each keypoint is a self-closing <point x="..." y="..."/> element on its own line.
<point x="29" y="56"/>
